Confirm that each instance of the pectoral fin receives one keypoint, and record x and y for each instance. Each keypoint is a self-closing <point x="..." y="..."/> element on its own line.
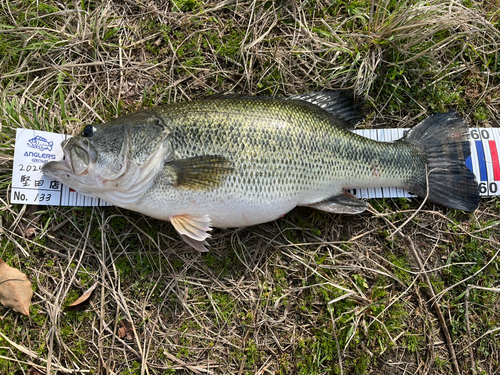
<point x="193" y="229"/>
<point x="199" y="172"/>
<point x="341" y="204"/>
<point x="197" y="245"/>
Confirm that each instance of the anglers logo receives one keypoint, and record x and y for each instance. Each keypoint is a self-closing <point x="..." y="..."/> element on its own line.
<point x="40" y="143"/>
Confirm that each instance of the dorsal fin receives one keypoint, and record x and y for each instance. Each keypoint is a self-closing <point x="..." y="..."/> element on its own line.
<point x="344" y="108"/>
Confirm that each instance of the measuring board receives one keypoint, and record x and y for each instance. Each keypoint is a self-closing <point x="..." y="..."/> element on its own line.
<point x="29" y="186"/>
<point x="35" y="148"/>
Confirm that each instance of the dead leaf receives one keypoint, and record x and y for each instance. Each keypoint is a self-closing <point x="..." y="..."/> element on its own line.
<point x="82" y="301"/>
<point x="125" y="330"/>
<point x="35" y="371"/>
<point x="15" y="289"/>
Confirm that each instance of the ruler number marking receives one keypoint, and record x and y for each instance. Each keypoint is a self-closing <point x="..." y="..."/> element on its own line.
<point x="485" y="187"/>
<point x="478" y="134"/>
<point x="486" y="166"/>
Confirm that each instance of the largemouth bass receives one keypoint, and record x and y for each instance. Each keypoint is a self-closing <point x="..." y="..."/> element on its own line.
<point x="231" y="161"/>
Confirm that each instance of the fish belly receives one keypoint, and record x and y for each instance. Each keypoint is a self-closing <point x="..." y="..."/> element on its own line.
<point x="230" y="211"/>
<point x="242" y="214"/>
<point x="223" y="213"/>
<point x="236" y="204"/>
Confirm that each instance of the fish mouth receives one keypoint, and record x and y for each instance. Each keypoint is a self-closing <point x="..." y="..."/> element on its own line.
<point x="78" y="157"/>
<point x="76" y="160"/>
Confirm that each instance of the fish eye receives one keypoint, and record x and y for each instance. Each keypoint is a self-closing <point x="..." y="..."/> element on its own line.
<point x="88" y="130"/>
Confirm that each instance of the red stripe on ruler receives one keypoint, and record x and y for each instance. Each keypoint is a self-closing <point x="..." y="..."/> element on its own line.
<point x="494" y="160"/>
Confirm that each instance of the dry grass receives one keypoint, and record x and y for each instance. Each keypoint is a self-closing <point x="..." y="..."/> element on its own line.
<point x="311" y="293"/>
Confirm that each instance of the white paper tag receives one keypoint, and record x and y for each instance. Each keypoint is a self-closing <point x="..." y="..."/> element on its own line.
<point x="33" y="149"/>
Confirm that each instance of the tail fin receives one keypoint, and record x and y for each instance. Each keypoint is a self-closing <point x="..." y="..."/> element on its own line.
<point x="443" y="140"/>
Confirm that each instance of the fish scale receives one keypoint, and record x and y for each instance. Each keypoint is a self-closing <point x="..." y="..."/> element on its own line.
<point x="231" y="161"/>
<point x="305" y="163"/>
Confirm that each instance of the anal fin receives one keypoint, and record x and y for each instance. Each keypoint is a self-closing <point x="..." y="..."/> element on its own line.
<point x="341" y="204"/>
<point x="193" y="230"/>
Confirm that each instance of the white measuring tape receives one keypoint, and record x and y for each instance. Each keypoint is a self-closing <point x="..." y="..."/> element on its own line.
<point x="35" y="148"/>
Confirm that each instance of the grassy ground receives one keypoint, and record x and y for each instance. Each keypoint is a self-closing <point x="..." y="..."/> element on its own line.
<point x="311" y="293"/>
